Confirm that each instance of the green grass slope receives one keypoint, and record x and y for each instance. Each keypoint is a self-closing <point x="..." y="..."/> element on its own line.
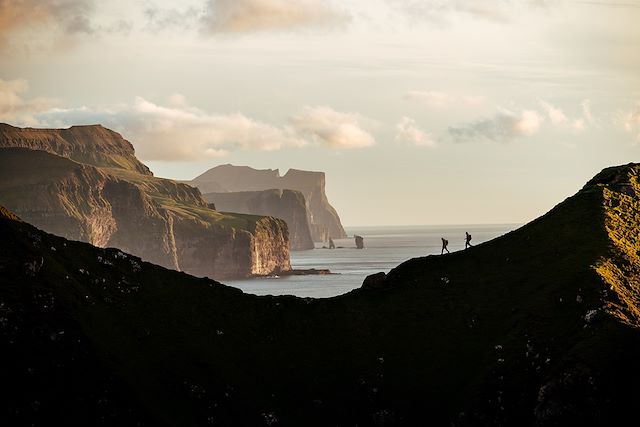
<point x="534" y="328"/>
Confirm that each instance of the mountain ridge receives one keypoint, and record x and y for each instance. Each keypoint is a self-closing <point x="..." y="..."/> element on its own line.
<point x="522" y="330"/>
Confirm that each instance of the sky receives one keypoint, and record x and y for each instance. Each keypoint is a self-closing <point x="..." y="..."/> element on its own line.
<point x="419" y="112"/>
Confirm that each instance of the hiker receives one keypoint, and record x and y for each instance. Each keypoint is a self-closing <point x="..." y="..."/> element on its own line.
<point x="467" y="240"/>
<point x="445" y="243"/>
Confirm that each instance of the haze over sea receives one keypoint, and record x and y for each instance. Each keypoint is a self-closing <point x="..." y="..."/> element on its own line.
<point x="385" y="248"/>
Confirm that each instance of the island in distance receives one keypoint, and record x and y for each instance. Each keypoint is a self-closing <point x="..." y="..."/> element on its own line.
<point x="537" y="327"/>
<point x="240" y="189"/>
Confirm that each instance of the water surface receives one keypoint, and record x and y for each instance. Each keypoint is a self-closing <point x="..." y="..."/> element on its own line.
<point x="385" y="248"/>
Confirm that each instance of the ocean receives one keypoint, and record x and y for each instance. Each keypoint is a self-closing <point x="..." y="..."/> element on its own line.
<point x="385" y="248"/>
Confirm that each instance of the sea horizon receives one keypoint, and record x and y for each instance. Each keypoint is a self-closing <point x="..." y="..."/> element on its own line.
<point x="386" y="247"/>
<point x="435" y="225"/>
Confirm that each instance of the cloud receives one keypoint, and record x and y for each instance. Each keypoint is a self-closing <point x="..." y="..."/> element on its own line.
<point x="54" y="23"/>
<point x="631" y="121"/>
<point x="432" y="98"/>
<point x="332" y="128"/>
<point x="408" y="131"/>
<point x="587" y="113"/>
<point x="187" y="133"/>
<point x="159" y="19"/>
<point x="179" y="131"/>
<point x="578" y="125"/>
<point x="441" y="100"/>
<point x="13" y="108"/>
<point x="560" y="119"/>
<point x="67" y="16"/>
<point x="246" y="16"/>
<point x="441" y="11"/>
<point x="505" y="126"/>
<point x="556" y="115"/>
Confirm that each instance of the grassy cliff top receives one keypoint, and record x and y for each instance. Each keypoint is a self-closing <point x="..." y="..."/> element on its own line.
<point x="92" y="144"/>
<point x="21" y="168"/>
<point x="183" y="200"/>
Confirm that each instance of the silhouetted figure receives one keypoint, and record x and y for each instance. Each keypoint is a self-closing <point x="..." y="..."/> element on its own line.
<point x="359" y="242"/>
<point x="331" y="244"/>
<point x="445" y="243"/>
<point x="467" y="240"/>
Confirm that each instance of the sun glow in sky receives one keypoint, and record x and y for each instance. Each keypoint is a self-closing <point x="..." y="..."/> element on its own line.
<point x="420" y="112"/>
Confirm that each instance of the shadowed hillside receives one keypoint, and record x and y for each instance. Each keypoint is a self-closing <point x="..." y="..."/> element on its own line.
<point x="538" y="327"/>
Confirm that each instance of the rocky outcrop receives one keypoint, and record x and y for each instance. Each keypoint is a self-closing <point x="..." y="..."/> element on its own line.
<point x="359" y="242"/>
<point x="323" y="219"/>
<point x="259" y="251"/>
<point x="123" y="205"/>
<point x="93" y="145"/>
<point x="288" y="205"/>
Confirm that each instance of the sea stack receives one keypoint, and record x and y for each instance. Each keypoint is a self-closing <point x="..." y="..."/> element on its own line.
<point x="359" y="242"/>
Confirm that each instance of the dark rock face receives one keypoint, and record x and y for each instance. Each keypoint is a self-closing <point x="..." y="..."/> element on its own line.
<point x="123" y="205"/>
<point x="287" y="205"/>
<point x="359" y="242"/>
<point x="323" y="219"/>
<point x="374" y="281"/>
<point x="494" y="335"/>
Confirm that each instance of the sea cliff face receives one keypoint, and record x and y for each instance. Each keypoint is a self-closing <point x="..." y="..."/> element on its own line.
<point x="323" y="219"/>
<point x="123" y="205"/>
<point x="288" y="205"/>
<point x="323" y="215"/>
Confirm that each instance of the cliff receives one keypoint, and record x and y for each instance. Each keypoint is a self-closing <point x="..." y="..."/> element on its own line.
<point x="93" y="145"/>
<point x="312" y="185"/>
<point x="288" y="205"/>
<point x="538" y="327"/>
<point x="123" y="205"/>
<point x="323" y="219"/>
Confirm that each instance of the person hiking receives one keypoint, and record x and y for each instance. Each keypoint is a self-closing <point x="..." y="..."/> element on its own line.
<point x="445" y="243"/>
<point x="467" y="240"/>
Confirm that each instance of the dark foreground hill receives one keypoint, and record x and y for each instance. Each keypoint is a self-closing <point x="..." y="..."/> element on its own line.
<point x="538" y="327"/>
